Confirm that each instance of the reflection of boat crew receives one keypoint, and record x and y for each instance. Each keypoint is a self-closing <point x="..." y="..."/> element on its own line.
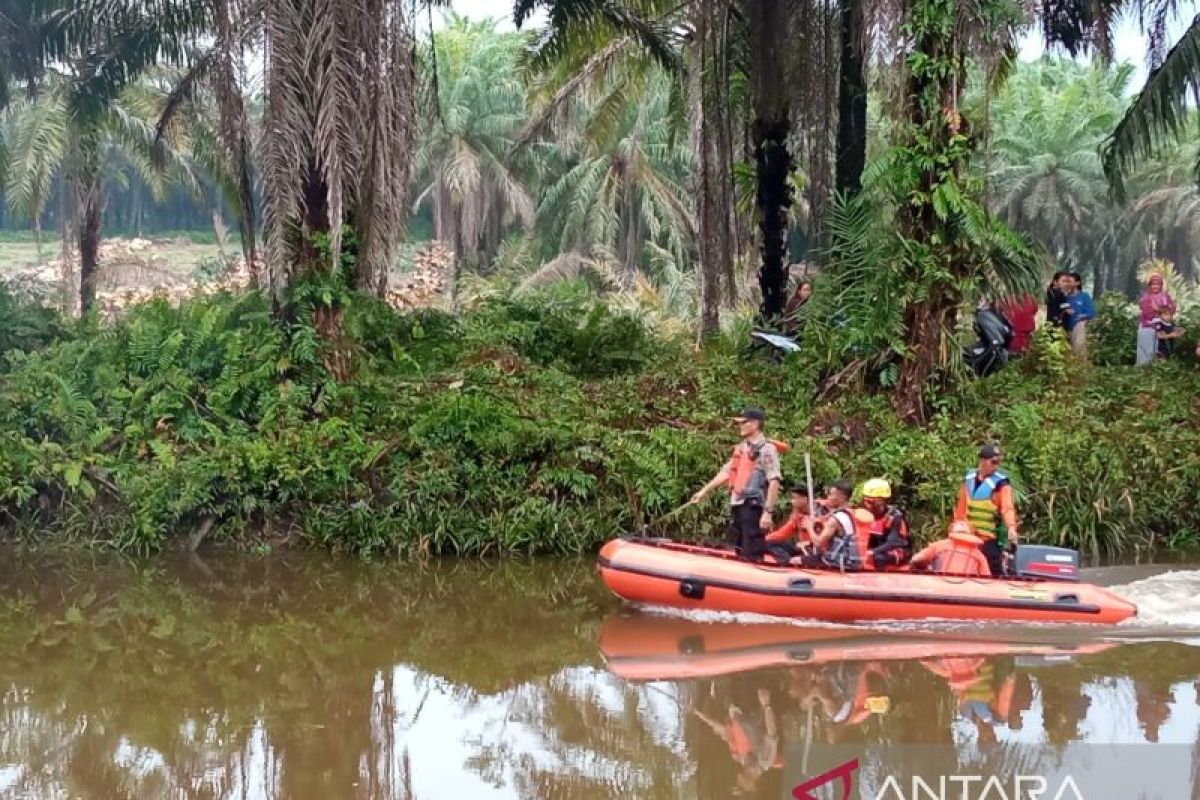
<point x="754" y="747"/>
<point x="848" y="694"/>
<point x="980" y="698"/>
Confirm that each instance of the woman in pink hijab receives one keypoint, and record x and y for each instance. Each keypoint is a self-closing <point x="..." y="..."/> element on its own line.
<point x="1153" y="301"/>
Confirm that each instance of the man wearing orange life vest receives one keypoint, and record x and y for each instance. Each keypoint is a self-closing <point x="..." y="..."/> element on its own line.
<point x="799" y="526"/>
<point x="958" y="554"/>
<point x="752" y="475"/>
<point x="889" y="543"/>
<point x="985" y="500"/>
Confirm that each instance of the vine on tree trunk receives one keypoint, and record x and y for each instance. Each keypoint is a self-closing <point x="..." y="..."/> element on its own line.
<point x="948" y="241"/>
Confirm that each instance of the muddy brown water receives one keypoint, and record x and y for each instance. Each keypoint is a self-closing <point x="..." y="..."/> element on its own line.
<point x="304" y="676"/>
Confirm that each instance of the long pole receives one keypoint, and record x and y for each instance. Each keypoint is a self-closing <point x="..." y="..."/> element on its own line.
<point x="812" y="503"/>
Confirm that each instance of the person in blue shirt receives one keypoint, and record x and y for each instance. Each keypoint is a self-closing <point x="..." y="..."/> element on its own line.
<point x="1079" y="310"/>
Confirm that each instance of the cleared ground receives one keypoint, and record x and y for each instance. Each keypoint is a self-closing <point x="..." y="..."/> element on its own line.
<point x="180" y="256"/>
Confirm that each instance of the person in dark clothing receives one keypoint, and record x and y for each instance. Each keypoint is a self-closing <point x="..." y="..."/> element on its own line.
<point x="1056" y="300"/>
<point x="793" y="312"/>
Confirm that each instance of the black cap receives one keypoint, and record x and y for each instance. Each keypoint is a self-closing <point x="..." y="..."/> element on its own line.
<point x="989" y="451"/>
<point x="750" y="412"/>
<point x="800" y="488"/>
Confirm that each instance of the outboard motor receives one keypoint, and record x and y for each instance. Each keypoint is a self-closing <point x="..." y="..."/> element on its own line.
<point x="995" y="334"/>
<point x="1047" y="563"/>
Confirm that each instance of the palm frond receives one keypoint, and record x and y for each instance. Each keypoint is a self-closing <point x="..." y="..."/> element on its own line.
<point x="185" y="89"/>
<point x="595" y="66"/>
<point x="1158" y="112"/>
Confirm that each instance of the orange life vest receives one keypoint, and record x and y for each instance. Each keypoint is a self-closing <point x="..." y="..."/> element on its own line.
<point x="958" y="557"/>
<point x="879" y="530"/>
<point x="747" y="481"/>
<point x="740" y="745"/>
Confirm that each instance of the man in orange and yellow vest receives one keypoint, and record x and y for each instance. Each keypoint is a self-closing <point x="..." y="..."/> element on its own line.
<point x="890" y="545"/>
<point x="985" y="500"/>
<point x="753" y="477"/>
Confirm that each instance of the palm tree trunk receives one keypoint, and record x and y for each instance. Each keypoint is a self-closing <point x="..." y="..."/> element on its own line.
<point x="772" y="199"/>
<point x="88" y="193"/>
<point x="1181" y="254"/>
<point x="235" y="133"/>
<point x="852" y="102"/>
<point x="769" y="30"/>
<point x="712" y="187"/>
<point x="710" y="274"/>
<point x="630" y="237"/>
<point x="137" y="211"/>
<point x="37" y="236"/>
<point x="68" y="216"/>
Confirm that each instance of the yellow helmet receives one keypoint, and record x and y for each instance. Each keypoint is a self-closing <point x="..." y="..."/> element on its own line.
<point x="877" y="487"/>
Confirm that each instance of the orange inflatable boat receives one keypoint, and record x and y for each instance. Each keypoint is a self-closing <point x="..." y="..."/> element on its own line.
<point x="650" y="648"/>
<point x="662" y="572"/>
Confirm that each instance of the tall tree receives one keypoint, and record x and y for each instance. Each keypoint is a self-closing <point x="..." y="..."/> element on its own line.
<point x="624" y="192"/>
<point x="769" y="26"/>
<point x="98" y="47"/>
<point x="851" y="156"/>
<point x="948" y="242"/>
<point x="712" y="110"/>
<point x="46" y="141"/>
<point x="1045" y="171"/>
<point x="219" y="69"/>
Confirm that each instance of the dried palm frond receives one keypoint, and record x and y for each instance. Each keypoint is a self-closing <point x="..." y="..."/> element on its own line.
<point x="339" y="122"/>
<point x="568" y="266"/>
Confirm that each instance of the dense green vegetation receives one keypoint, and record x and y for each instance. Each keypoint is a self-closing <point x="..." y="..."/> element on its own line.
<point x="538" y="424"/>
<point x="625" y="182"/>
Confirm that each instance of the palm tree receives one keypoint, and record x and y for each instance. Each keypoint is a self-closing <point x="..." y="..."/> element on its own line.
<point x="1165" y="204"/>
<point x="92" y="50"/>
<point x="624" y="192"/>
<point x="1047" y="177"/>
<point x="338" y="131"/>
<point x="45" y="140"/>
<point x="216" y="76"/>
<point x="463" y="162"/>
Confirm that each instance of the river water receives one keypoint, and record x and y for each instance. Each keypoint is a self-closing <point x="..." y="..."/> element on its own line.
<point x="305" y="676"/>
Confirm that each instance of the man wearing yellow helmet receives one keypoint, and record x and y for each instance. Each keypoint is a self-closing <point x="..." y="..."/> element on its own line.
<point x="889" y="544"/>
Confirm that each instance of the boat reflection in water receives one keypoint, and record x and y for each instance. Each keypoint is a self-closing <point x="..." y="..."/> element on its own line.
<point x="768" y="703"/>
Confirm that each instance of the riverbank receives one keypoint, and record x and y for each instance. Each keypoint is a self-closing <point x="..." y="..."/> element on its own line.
<point x="543" y="424"/>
